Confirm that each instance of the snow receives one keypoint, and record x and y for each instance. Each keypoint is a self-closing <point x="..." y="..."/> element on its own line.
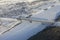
<point x="26" y="29"/>
<point x="49" y="14"/>
<point x="6" y="25"/>
<point x="23" y="31"/>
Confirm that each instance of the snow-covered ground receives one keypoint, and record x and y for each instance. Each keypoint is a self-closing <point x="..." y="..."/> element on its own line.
<point x="26" y="29"/>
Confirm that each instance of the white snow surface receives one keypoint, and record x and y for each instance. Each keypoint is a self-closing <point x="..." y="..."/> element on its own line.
<point x="26" y="29"/>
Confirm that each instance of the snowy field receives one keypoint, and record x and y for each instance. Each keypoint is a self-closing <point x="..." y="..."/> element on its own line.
<point x="45" y="10"/>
